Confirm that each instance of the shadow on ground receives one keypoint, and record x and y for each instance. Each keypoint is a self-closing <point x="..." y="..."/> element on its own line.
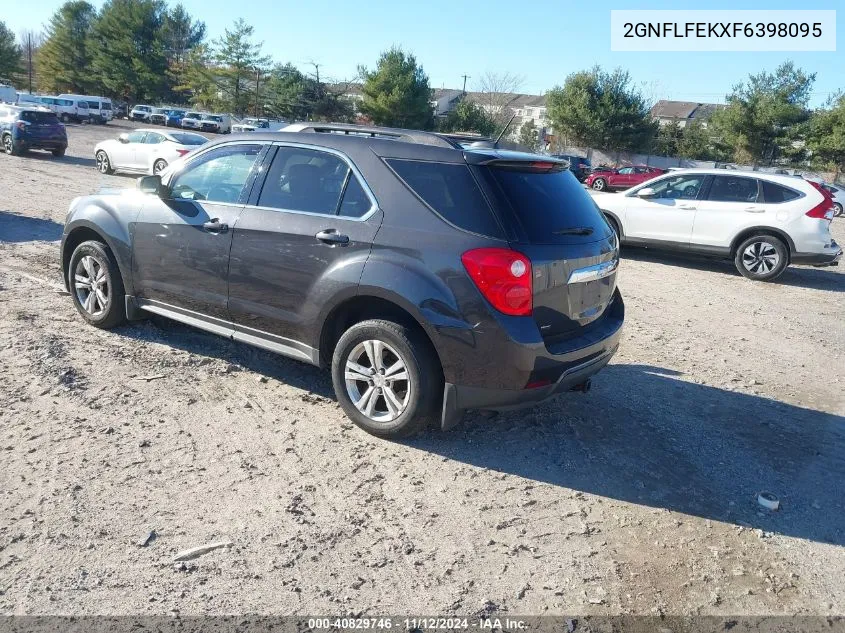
<point x="21" y="228"/>
<point x="642" y="435"/>
<point x="828" y="278"/>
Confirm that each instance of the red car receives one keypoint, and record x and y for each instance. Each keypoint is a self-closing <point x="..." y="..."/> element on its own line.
<point x="606" y="179"/>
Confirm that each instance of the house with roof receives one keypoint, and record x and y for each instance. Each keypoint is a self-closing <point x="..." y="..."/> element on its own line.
<point x="666" y="112"/>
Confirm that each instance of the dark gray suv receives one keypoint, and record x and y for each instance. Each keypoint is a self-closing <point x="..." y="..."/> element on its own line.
<point x="432" y="275"/>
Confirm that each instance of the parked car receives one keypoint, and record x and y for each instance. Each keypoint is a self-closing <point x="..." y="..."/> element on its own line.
<point x="120" y="110"/>
<point x="31" y="127"/>
<point x="158" y="116"/>
<point x="144" y="151"/>
<point x="99" y="108"/>
<point x="624" y="178"/>
<point x="141" y="113"/>
<point x="174" y="117"/>
<point x="838" y="196"/>
<point x="763" y="222"/>
<point x="192" y="119"/>
<point x="578" y="165"/>
<point x="66" y="108"/>
<point x="217" y="123"/>
<point x="431" y="278"/>
<point x="250" y="125"/>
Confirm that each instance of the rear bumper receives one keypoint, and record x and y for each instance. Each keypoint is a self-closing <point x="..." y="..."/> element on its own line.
<point x="41" y="143"/>
<point x="831" y="256"/>
<point x="553" y="369"/>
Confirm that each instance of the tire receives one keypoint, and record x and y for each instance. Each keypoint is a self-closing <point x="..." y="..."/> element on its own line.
<point x="418" y="396"/>
<point x="761" y="257"/>
<point x="159" y="166"/>
<point x="837" y="209"/>
<point x="65" y="118"/>
<point x="89" y="258"/>
<point x="103" y="163"/>
<point x="9" y="146"/>
<point x="599" y="184"/>
<point x="59" y="152"/>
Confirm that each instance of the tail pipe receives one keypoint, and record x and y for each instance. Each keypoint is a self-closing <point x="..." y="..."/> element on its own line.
<point x="583" y="387"/>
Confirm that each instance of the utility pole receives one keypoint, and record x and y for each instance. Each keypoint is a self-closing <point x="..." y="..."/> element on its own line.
<point x="316" y="70"/>
<point x="465" y="82"/>
<point x="29" y="57"/>
<point x="257" y="94"/>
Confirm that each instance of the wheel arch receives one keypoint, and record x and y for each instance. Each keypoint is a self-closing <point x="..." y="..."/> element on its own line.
<point x="362" y="307"/>
<point x="616" y="222"/>
<point x="83" y="231"/>
<point x="762" y="230"/>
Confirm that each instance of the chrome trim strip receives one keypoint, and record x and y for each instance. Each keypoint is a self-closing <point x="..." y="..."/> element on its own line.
<point x="591" y="273"/>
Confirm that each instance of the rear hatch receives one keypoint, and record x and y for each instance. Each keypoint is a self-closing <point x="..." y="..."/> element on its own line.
<point x="550" y="218"/>
<point x="43" y="125"/>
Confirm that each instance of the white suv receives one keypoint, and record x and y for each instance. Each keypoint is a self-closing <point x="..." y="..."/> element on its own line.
<point x="762" y="221"/>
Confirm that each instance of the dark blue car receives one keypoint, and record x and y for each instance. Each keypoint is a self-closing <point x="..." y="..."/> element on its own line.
<point x="25" y="128"/>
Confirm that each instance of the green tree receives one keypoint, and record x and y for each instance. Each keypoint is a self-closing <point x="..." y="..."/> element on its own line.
<point x="762" y="113"/>
<point x="468" y="117"/>
<point x="239" y="61"/>
<point x="696" y="143"/>
<point x="130" y="58"/>
<point x="595" y="108"/>
<point x="197" y="81"/>
<point x="668" y="138"/>
<point x="10" y="55"/>
<point x="528" y="136"/>
<point x="284" y="93"/>
<point x="181" y="34"/>
<point x="397" y="92"/>
<point x="63" y="63"/>
<point x="826" y="137"/>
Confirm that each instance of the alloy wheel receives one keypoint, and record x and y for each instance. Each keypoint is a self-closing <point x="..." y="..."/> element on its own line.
<point x="102" y="162"/>
<point x="7" y="144"/>
<point x="377" y="381"/>
<point x="837" y="209"/>
<point x="91" y="285"/>
<point x="598" y="185"/>
<point x="158" y="167"/>
<point x="760" y="257"/>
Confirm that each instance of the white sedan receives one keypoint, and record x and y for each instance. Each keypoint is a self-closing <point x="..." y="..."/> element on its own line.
<point x="144" y="151"/>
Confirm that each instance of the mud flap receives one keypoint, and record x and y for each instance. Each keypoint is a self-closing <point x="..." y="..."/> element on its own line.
<point x="451" y="415"/>
<point x="133" y="312"/>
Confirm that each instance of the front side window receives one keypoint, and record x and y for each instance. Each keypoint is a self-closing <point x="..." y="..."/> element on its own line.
<point x="682" y="187"/>
<point x="312" y="181"/>
<point x="733" y="189"/>
<point x="220" y="175"/>
<point x="136" y="137"/>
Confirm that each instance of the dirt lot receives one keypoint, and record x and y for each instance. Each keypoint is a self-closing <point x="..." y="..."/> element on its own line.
<point x="639" y="497"/>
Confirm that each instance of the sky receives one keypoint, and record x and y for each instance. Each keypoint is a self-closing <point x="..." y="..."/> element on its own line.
<point x="541" y="41"/>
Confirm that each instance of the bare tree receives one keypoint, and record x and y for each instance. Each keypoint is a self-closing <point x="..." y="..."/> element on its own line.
<point x="496" y="91"/>
<point x="30" y="42"/>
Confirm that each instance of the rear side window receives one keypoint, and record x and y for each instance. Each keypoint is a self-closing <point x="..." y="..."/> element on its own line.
<point x="774" y="193"/>
<point x="552" y="208"/>
<point x="451" y="191"/>
<point x="733" y="189"/>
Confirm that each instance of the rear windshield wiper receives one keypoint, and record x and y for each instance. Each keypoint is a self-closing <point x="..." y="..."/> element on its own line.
<point x="575" y="230"/>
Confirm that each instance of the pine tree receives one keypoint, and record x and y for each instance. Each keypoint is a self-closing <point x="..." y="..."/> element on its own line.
<point x="397" y="93"/>
<point x="10" y="55"/>
<point x="63" y="62"/>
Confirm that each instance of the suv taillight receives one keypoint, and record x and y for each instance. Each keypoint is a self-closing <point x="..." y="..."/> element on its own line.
<point x="504" y="278"/>
<point x="823" y="210"/>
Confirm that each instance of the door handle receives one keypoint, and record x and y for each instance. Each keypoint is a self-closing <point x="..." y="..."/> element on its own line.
<point x="754" y="210"/>
<point x="687" y="207"/>
<point x="331" y="236"/>
<point x="215" y="226"/>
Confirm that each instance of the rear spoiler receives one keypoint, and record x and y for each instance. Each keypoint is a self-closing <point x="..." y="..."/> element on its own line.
<point x="535" y="164"/>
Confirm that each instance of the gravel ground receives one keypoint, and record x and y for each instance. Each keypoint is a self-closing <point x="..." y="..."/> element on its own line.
<point x="639" y="497"/>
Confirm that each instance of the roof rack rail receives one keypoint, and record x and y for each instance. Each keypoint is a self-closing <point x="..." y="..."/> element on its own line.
<point x="397" y="134"/>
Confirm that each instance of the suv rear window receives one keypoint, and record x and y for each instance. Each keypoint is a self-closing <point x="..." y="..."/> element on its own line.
<point x="39" y="117"/>
<point x="450" y="190"/>
<point x="549" y="206"/>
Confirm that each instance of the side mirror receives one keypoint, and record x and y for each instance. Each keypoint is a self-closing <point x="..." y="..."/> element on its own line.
<point x="645" y="192"/>
<point x="150" y="184"/>
<point x="123" y="138"/>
